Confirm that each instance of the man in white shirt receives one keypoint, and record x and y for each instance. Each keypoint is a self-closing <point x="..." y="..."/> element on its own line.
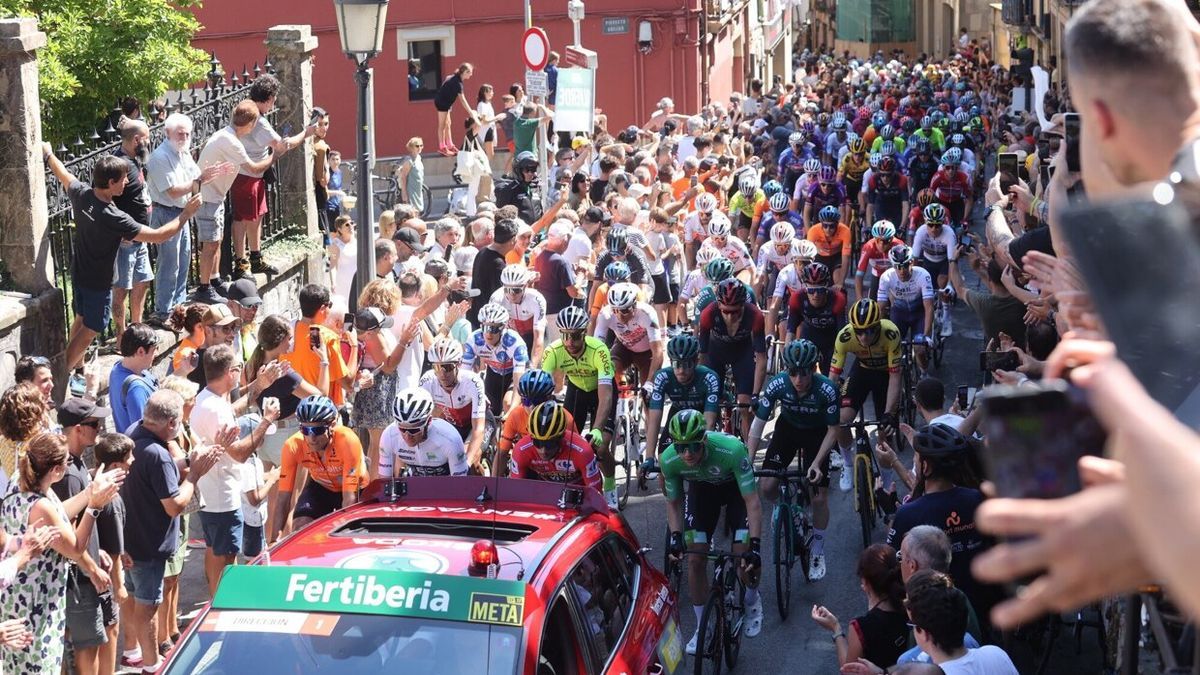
<point x="579" y="248"/>
<point x="220" y="488"/>
<point x="937" y="611"/>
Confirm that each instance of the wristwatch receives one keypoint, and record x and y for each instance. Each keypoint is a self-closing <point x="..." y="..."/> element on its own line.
<point x="94" y="513"/>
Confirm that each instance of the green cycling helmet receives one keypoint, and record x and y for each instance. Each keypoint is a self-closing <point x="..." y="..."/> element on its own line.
<point x="687" y="426"/>
<point x="718" y="270"/>
<point x="683" y="347"/>
<point x="800" y="354"/>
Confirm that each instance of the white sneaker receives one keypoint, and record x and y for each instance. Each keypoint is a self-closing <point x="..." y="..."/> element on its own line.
<point x="947" y="329"/>
<point x="754" y="618"/>
<point x="836" y="463"/>
<point x="610" y="496"/>
<point x="691" y="645"/>
<point x="846" y="481"/>
<point x="816" y="567"/>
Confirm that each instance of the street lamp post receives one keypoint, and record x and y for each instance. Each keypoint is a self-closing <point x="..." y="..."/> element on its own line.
<point x="360" y="26"/>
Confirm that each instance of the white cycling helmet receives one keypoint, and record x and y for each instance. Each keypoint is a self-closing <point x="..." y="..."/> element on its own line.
<point x="705" y="255"/>
<point x="782" y="233"/>
<point x="803" y="249"/>
<point x="572" y="318"/>
<point x="514" y="276"/>
<point x="719" y="226"/>
<point x="748" y="183"/>
<point x="445" y="350"/>
<point x="622" y="296"/>
<point x="706" y="202"/>
<point x="779" y="202"/>
<point x="883" y="229"/>
<point x="413" y="408"/>
<point x="493" y="313"/>
<point x="812" y="165"/>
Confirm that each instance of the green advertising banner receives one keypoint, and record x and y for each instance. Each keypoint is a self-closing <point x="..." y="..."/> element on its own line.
<point x="575" y="100"/>
<point x="388" y="593"/>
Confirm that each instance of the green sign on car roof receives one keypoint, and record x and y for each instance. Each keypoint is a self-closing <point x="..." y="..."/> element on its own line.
<point x="388" y="593"/>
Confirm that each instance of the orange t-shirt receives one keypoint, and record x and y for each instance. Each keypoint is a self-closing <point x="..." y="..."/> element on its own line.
<point x="516" y="425"/>
<point x="339" y="468"/>
<point x="305" y="362"/>
<point x="827" y="246"/>
<point x="186" y="347"/>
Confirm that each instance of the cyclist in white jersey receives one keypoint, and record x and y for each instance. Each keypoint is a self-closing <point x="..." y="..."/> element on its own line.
<point x="526" y="308"/>
<point x="635" y="324"/>
<point x="458" y="396"/>
<point x="695" y="280"/>
<point x="418" y="442"/>
<point x="499" y="353"/>
<point x="905" y="294"/>
<point x="734" y="249"/>
<point x="802" y="253"/>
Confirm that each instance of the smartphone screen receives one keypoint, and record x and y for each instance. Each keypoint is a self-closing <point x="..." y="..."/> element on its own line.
<point x="989" y="361"/>
<point x="1007" y="166"/>
<point x="348" y="322"/>
<point x="1071" y="137"/>
<point x="963" y="396"/>
<point x="314" y="337"/>
<point x="1036" y="436"/>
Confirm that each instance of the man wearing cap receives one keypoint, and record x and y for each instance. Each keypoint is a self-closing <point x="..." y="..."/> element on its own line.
<point x="131" y="382"/>
<point x="489" y="264"/>
<point x="220" y="328"/>
<point x="409" y="249"/>
<point x="88" y="613"/>
<point x="244" y="301"/>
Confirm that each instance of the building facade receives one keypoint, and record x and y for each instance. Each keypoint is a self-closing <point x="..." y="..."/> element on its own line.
<point x="693" y="51"/>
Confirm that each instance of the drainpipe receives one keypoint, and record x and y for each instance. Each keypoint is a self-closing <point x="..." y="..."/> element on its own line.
<point x="704" y="64"/>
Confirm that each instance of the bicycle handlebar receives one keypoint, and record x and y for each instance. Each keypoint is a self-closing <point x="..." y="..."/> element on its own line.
<point x="769" y="473"/>
<point x="862" y="423"/>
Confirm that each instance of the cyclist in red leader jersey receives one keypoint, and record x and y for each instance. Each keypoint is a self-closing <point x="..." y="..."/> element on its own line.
<point x="552" y="452"/>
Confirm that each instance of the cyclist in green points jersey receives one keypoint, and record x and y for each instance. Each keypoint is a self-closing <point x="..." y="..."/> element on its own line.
<point x="718" y="473"/>
<point x="808" y="422"/>
<point x="687" y="385"/>
<point x="587" y="366"/>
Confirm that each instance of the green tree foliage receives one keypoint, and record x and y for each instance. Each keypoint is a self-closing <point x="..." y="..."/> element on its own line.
<point x="99" y="51"/>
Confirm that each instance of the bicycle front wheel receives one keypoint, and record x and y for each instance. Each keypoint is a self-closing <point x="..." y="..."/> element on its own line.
<point x="711" y="636"/>
<point x="628" y="445"/>
<point x="863" y="492"/>
<point x="784" y="558"/>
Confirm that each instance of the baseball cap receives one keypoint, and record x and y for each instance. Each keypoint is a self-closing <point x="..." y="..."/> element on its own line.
<point x="410" y="237"/>
<point x="372" y="318"/>
<point x="244" y="292"/>
<point x="594" y="214"/>
<point x="76" y="409"/>
<point x="218" y="315"/>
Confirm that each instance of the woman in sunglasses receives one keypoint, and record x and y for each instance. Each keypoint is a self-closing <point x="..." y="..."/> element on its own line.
<point x="553" y="452"/>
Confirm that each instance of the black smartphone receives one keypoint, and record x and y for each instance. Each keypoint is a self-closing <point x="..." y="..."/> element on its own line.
<point x="1046" y="172"/>
<point x="1036" y="435"/>
<point x="348" y="322"/>
<point x="964" y="393"/>
<point x="989" y="361"/>
<point x="314" y="337"/>
<point x="1007" y="166"/>
<point x="1071" y="138"/>
<point x="693" y="180"/>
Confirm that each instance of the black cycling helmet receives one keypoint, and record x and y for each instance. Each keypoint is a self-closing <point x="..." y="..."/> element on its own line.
<point x="617" y="242"/>
<point x="683" y="347"/>
<point x="939" y="441"/>
<point x="316" y="410"/>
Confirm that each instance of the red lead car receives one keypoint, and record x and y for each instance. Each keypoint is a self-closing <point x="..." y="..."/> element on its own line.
<point x="445" y="575"/>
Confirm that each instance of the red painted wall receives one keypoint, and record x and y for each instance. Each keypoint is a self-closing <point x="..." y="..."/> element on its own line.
<point x="487" y="34"/>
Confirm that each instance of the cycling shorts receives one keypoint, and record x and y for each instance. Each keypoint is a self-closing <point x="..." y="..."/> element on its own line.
<point x="743" y="222"/>
<point x="831" y="261"/>
<point x="316" y="501"/>
<point x="742" y="362"/>
<point x="864" y="381"/>
<point x="702" y="504"/>
<point x="935" y="269"/>
<point x="910" y="320"/>
<point x="582" y="406"/>
<point x="789" y="439"/>
<point x="495" y="386"/>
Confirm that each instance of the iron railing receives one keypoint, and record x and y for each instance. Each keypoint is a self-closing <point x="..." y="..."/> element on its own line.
<point x="209" y="109"/>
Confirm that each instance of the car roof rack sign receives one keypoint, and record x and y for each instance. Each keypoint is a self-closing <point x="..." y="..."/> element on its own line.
<point x="496" y="493"/>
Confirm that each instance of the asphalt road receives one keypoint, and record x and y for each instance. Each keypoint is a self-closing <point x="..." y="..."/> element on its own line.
<point x="798" y="646"/>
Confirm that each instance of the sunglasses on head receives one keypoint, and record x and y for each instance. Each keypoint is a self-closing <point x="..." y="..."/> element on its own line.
<point x="40" y="361"/>
<point x="313" y="430"/>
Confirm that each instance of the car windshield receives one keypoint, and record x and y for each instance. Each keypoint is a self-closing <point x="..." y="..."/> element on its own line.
<point x="293" y="643"/>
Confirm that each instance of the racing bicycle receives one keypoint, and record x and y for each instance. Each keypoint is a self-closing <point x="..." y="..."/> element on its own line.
<point x="866" y="475"/>
<point x="774" y="355"/>
<point x="908" y="382"/>
<point x="729" y="420"/>
<point x="793" y="532"/>
<point x="941" y="317"/>
<point x="629" y="428"/>
<point x="723" y="616"/>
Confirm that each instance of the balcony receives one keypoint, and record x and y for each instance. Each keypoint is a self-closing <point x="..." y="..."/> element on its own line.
<point x="1017" y="13"/>
<point x="1042" y="27"/>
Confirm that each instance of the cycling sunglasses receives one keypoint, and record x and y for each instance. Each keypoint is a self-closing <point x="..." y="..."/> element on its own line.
<point x="689" y="448"/>
<point x="572" y="335"/>
<point x="446" y="367"/>
<point x="319" y="430"/>
<point x="546" y="444"/>
<point x="413" y="431"/>
<point x="514" y="290"/>
<point x="492" y="328"/>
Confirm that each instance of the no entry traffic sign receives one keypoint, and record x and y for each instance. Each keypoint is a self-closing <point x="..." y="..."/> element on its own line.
<point x="535" y="48"/>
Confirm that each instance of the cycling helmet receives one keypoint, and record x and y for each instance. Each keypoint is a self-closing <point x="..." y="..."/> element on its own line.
<point x="939" y="440"/>
<point x="857" y="146"/>
<point x="900" y="255"/>
<point x="864" y="314"/>
<point x="838" y="125"/>
<point x="413" y="407"/>
<point x="547" y="421"/>
<point x="617" y="272"/>
<point x="687" y="426"/>
<point x="494" y="314"/>
<point x="823" y="119"/>
<point x="800" y="354"/>
<point x="617" y="242"/>
<point x="621" y="296"/>
<point x="879" y="119"/>
<point x="864" y="112"/>
<point x="887" y="133"/>
<point x="782" y="233"/>
<point x="839" y="118"/>
<point x="772" y="188"/>
<point x="935" y="214"/>
<point x="803" y="249"/>
<point x="829" y="214"/>
<point x="718" y="270"/>
<point x="922" y="145"/>
<point x="816" y="275"/>
<point x="908" y="125"/>
<point x="887" y="164"/>
<point x="883" y="229"/>
<point x="683" y="347"/>
<point x="924" y="197"/>
<point x="812" y="165"/>
<point x="316" y="410"/>
<point x="445" y="350"/>
<point x="705" y="255"/>
<point x="719" y="226"/>
<point x="514" y="275"/>
<point x="808" y="127"/>
<point x="828" y="174"/>
<point x="952" y="157"/>
<point x="873" y="160"/>
<point x="887" y="149"/>
<point x="796" y="138"/>
<point x="779" y="202"/>
<point x="706" y="202"/>
<point x="535" y="386"/>
<point x="927" y="122"/>
<point x="731" y="292"/>
<point x="943" y="122"/>
<point x="572" y="318"/>
<point x="961" y="116"/>
<point x="748" y="183"/>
